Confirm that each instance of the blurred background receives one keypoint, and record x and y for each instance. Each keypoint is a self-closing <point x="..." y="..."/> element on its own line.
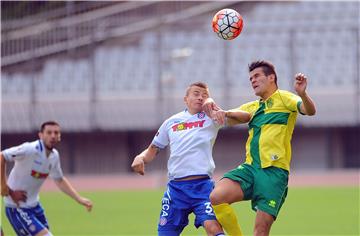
<point x="111" y="72"/>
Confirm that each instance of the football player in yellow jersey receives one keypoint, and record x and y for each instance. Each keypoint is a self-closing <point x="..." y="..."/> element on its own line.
<point x="263" y="177"/>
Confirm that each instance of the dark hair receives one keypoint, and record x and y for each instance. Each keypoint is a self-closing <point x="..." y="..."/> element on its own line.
<point x="267" y="67"/>
<point x="198" y="84"/>
<point x="50" y="122"/>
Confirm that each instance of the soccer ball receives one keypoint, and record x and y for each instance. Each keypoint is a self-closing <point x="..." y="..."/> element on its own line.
<point x="227" y="24"/>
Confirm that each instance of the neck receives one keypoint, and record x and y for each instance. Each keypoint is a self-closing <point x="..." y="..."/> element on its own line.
<point x="268" y="94"/>
<point x="48" y="151"/>
<point x="192" y="112"/>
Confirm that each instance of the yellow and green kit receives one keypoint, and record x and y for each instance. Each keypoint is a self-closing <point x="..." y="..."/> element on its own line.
<point x="264" y="175"/>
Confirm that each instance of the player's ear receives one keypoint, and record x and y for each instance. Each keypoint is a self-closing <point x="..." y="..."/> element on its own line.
<point x="272" y="77"/>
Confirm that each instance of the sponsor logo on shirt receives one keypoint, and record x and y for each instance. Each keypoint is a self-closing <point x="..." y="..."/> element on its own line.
<point x="38" y="175"/>
<point x="188" y="125"/>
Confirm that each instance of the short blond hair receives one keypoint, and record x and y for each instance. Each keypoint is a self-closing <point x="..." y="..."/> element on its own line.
<point x="197" y="84"/>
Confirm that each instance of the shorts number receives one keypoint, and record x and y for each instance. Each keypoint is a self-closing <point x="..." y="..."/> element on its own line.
<point x="208" y="209"/>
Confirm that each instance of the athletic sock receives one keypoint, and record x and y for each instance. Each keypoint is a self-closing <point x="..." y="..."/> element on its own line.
<point x="227" y="218"/>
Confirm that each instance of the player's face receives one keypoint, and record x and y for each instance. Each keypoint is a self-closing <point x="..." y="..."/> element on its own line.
<point x="195" y="99"/>
<point x="260" y="82"/>
<point x="50" y="136"/>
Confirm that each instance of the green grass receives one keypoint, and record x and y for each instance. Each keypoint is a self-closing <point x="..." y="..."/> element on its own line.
<point x="306" y="211"/>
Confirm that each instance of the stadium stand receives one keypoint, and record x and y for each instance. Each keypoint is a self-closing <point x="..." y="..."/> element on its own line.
<point x="139" y="69"/>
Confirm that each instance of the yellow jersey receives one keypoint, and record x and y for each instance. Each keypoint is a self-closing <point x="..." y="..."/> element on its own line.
<point x="270" y="129"/>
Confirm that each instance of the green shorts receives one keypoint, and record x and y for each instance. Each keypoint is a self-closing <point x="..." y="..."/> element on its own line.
<point x="266" y="188"/>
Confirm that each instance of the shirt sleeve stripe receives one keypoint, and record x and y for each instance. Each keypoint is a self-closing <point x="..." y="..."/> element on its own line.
<point x="298" y="107"/>
<point x="158" y="144"/>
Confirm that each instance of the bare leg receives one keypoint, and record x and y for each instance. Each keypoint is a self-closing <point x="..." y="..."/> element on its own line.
<point x="263" y="223"/>
<point x="226" y="192"/>
<point x="212" y="227"/>
<point x="44" y="232"/>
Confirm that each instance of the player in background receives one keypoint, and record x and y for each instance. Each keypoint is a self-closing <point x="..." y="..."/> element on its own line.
<point x="263" y="178"/>
<point x="191" y="135"/>
<point x="34" y="161"/>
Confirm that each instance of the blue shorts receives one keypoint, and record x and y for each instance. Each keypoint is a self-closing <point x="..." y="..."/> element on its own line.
<point x="27" y="221"/>
<point x="182" y="198"/>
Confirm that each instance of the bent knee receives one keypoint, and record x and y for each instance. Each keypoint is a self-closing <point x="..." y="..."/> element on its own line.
<point x="215" y="198"/>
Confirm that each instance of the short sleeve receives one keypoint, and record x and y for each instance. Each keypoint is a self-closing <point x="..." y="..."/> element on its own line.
<point x="56" y="171"/>
<point x="291" y="101"/>
<point x="16" y="153"/>
<point x="250" y="107"/>
<point x="161" y="138"/>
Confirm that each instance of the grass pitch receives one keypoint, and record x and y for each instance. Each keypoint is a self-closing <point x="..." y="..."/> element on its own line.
<point x="306" y="211"/>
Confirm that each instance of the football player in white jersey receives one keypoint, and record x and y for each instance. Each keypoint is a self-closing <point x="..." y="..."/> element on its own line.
<point x="34" y="161"/>
<point x="191" y="135"/>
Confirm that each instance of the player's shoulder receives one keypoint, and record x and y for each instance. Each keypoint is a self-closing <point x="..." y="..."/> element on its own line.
<point x="251" y="103"/>
<point x="249" y="106"/>
<point x="55" y="152"/>
<point x="287" y="94"/>
<point x="178" y="116"/>
<point x="33" y="146"/>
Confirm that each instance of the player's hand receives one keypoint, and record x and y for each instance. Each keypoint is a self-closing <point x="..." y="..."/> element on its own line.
<point x="300" y="84"/>
<point x="138" y="165"/>
<point x="209" y="106"/>
<point x="219" y="116"/>
<point x="18" y="196"/>
<point x="86" y="202"/>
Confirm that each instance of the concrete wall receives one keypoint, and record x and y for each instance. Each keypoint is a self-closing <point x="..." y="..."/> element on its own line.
<point x="113" y="152"/>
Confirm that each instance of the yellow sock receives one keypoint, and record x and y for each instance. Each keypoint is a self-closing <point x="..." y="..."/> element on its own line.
<point x="227" y="218"/>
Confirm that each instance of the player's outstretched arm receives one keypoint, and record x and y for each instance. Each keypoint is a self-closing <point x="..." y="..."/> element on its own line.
<point x="231" y="117"/>
<point x="308" y="106"/>
<point x="143" y="158"/>
<point x="65" y="186"/>
<point x="237" y="117"/>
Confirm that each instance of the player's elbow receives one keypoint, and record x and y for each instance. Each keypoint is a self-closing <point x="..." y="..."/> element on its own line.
<point x="311" y="112"/>
<point x="247" y="117"/>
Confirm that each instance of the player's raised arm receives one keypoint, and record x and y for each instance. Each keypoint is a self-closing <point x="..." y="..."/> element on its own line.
<point x="307" y="107"/>
<point x="143" y="158"/>
<point x="65" y="186"/>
